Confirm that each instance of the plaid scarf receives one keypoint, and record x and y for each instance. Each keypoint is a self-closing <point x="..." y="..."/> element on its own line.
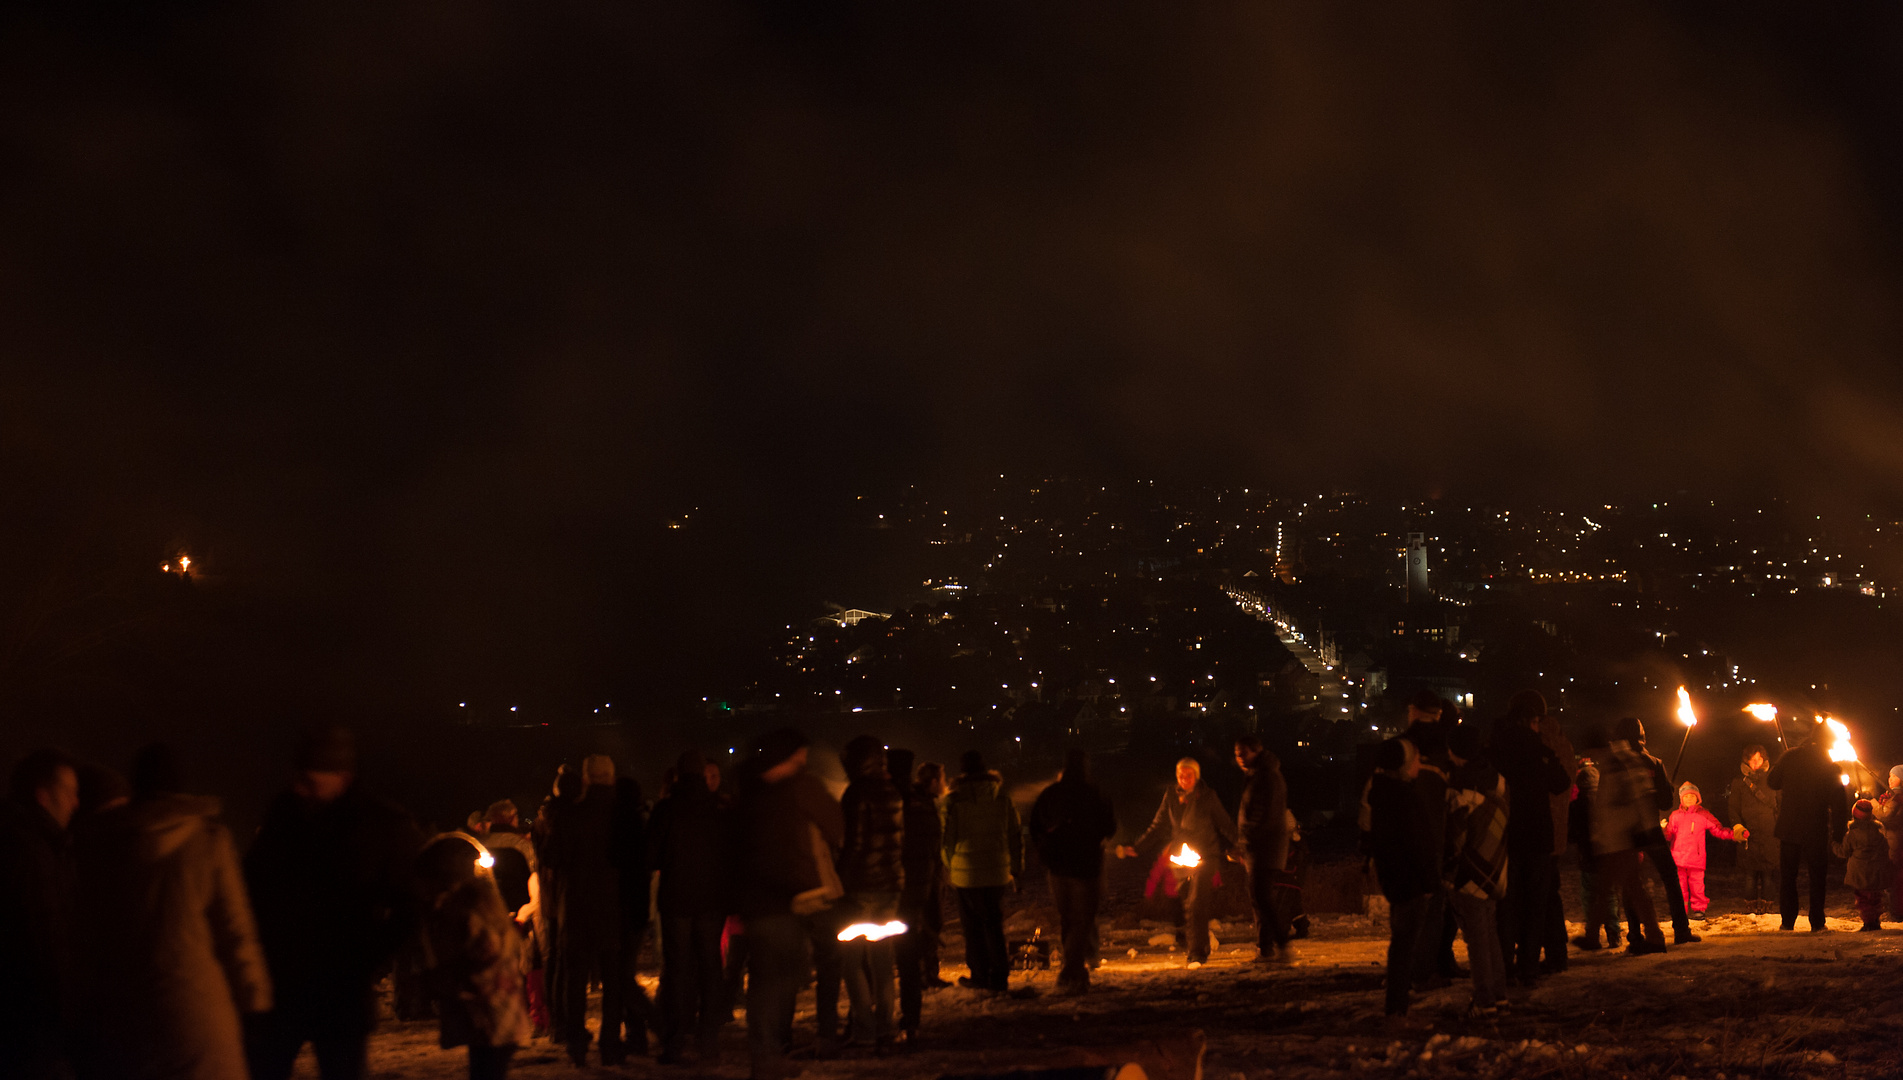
<point x="1477" y="834"/>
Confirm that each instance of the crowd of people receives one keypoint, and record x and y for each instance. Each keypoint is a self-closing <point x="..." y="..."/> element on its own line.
<point x="1466" y="827"/>
<point x="134" y="941"/>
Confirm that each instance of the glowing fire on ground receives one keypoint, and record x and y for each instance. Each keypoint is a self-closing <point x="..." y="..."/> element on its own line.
<point x="1186" y="858"/>
<point x="1685" y="714"/>
<point x="872" y="931"/>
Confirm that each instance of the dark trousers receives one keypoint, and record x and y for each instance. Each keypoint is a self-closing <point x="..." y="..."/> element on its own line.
<point x="1427" y="949"/>
<point x="916" y="954"/>
<point x="1198" y="896"/>
<point x="1523" y="915"/>
<point x="1554" y="939"/>
<point x="1407" y="921"/>
<point x="1618" y="872"/>
<point x="692" y="985"/>
<point x="489" y="1062"/>
<point x="1659" y="854"/>
<point x="628" y="1027"/>
<point x="575" y="968"/>
<point x="1077" y="901"/>
<point x="822" y="930"/>
<point x="273" y="1040"/>
<point x="776" y="967"/>
<point x="867" y="967"/>
<point x="1266" y="886"/>
<point x="1814" y="855"/>
<point x="981" y="911"/>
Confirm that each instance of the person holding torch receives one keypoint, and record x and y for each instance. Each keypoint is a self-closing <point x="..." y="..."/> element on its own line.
<point x="1199" y="833"/>
<point x="1811" y="816"/>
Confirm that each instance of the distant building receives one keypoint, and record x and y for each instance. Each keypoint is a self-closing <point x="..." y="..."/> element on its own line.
<point x="1417" y="586"/>
<point x="854" y="616"/>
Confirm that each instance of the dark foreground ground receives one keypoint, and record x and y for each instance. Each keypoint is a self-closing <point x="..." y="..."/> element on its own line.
<point x="1749" y="1001"/>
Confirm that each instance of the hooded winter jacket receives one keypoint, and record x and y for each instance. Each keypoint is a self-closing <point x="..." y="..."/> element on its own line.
<point x="476" y="966"/>
<point x="1868" y="853"/>
<point x="872" y="857"/>
<point x="168" y="952"/>
<point x="1686" y="830"/>
<point x="983" y="841"/>
<point x="1618" y="789"/>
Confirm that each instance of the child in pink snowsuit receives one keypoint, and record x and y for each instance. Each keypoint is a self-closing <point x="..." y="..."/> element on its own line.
<point x="1686" y="830"/>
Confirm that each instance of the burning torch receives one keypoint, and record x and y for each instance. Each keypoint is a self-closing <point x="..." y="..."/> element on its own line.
<point x="1186" y="858"/>
<point x="1768" y="714"/>
<point x="1690" y="719"/>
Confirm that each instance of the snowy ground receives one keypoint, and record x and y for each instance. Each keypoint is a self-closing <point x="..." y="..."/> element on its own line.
<point x="1749" y="1001"/>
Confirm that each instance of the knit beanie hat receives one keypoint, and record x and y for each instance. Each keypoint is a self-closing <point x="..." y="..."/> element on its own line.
<point x="1691" y="787"/>
<point x="1896" y="775"/>
<point x="1863" y="811"/>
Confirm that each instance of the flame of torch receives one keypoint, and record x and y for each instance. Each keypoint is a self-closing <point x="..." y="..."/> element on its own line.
<point x="486" y="861"/>
<point x="1186" y="858"/>
<point x="1840" y="748"/>
<point x="1685" y="714"/>
<point x="872" y="931"/>
<point x="1766" y="713"/>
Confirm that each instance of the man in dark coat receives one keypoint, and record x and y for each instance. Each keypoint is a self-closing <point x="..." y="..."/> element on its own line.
<point x="1811" y="816"/>
<point x="687" y="839"/>
<point x="333" y="888"/>
<point x="872" y="873"/>
<point x="1069" y="823"/>
<point x="1407" y="863"/>
<point x="1262" y="845"/>
<point x="36" y="915"/>
<point x="1652" y="843"/>
<point x="1754" y="805"/>
<point x="788" y="826"/>
<point x="921" y="908"/>
<point x="1534" y="774"/>
<point x="582" y="850"/>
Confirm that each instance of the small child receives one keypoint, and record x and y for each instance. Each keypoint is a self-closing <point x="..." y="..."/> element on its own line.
<point x="1868" y="852"/>
<point x="475" y="956"/>
<point x="1686" y="830"/>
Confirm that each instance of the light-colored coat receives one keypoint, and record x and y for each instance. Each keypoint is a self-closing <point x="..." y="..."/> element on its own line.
<point x="168" y="952"/>
<point x="983" y="840"/>
<point x="1868" y="853"/>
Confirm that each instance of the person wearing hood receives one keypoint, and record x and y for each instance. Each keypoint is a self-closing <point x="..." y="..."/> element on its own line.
<point x="1753" y="807"/>
<point x="1889" y="814"/>
<point x="687" y="838"/>
<point x="1069" y="823"/>
<point x="1810" y="818"/>
<point x="36" y="914"/>
<point x="168" y="951"/>
<point x="1262" y="845"/>
<point x="1867" y="851"/>
<point x="476" y="959"/>
<point x="984" y="850"/>
<point x="332" y="877"/>
<point x="1191" y="817"/>
<point x="1686" y="830"/>
<point x="789" y="827"/>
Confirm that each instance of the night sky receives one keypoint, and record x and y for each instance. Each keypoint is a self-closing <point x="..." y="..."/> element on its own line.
<point x="414" y="321"/>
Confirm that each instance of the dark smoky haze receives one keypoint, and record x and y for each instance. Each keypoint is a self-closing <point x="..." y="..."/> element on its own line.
<point x="415" y="322"/>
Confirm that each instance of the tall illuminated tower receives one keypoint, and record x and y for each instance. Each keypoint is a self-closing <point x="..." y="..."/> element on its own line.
<point x="1417" y="587"/>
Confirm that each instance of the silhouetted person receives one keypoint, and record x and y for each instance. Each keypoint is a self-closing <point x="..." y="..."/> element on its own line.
<point x="915" y="952"/>
<point x="629" y="853"/>
<point x="1553" y="942"/>
<point x="1191" y="817"/>
<point x="1812" y="815"/>
<point x="36" y="915"/>
<point x="332" y="877"/>
<point x="688" y="845"/>
<point x="872" y="871"/>
<point x="789" y="825"/>
<point x="984" y="848"/>
<point x="565" y="791"/>
<point x="1262" y="842"/>
<point x="1534" y="774"/>
<point x="1406" y="863"/>
<point x="168" y="952"/>
<point x="1070" y="822"/>
<point x="581" y="851"/>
